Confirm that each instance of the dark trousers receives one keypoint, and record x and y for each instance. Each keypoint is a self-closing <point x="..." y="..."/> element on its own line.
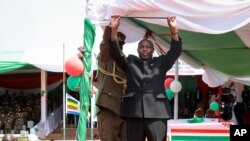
<point x="111" y="126"/>
<point x="140" y="128"/>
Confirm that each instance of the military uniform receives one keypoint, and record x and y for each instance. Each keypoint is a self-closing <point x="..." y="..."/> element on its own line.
<point x="111" y="86"/>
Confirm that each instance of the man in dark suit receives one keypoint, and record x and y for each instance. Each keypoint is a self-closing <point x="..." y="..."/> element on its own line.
<point x="145" y="105"/>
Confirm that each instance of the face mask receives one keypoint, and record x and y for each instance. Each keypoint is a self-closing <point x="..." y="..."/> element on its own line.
<point x="121" y="42"/>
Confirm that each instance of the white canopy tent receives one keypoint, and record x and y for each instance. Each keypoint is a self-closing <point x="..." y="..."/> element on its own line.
<point x="40" y="33"/>
<point x="210" y="17"/>
<point x="34" y="31"/>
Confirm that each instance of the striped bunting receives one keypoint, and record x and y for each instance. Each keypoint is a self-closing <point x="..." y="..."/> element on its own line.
<point x="72" y="105"/>
<point x="199" y="132"/>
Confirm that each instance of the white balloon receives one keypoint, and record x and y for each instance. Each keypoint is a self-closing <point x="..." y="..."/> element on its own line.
<point x="175" y="86"/>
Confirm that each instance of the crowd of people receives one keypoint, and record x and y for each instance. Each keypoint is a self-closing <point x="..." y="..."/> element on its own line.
<point x="9" y="137"/>
<point x="16" y="109"/>
<point x="14" y="112"/>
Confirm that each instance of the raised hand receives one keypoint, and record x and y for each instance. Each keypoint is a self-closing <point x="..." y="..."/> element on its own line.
<point x="115" y="22"/>
<point x="80" y="52"/>
<point x="172" y="23"/>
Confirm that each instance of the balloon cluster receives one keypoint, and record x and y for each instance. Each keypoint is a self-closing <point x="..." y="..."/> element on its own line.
<point x="74" y="68"/>
<point x="171" y="87"/>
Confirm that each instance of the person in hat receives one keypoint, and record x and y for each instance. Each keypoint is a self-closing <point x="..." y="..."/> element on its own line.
<point x="111" y="85"/>
<point x="145" y="105"/>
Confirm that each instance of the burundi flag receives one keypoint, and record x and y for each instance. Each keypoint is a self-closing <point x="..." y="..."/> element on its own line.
<point x="72" y="105"/>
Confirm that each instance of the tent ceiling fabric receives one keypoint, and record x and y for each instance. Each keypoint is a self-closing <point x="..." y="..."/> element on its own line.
<point x="200" y="16"/>
<point x="215" y="33"/>
<point x="26" y="81"/>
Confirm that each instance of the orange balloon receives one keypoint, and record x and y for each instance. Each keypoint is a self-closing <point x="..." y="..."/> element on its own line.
<point x="74" y="66"/>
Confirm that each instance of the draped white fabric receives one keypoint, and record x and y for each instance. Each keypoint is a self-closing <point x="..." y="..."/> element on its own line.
<point x="200" y="16"/>
<point x="213" y="17"/>
<point x="50" y="124"/>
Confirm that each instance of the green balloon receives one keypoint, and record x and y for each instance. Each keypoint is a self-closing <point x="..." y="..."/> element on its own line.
<point x="169" y="93"/>
<point x="73" y="83"/>
<point x="214" y="106"/>
<point x="36" y="129"/>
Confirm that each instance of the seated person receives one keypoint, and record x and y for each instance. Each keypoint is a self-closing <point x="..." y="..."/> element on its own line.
<point x="198" y="116"/>
<point x="199" y="113"/>
<point x="210" y="114"/>
<point x="8" y="137"/>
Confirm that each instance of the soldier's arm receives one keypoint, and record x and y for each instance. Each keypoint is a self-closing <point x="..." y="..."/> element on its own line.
<point x="105" y="45"/>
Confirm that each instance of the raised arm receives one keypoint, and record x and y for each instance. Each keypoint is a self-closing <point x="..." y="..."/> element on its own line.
<point x="115" y="49"/>
<point x="176" y="44"/>
<point x="105" y="45"/>
<point x="172" y="24"/>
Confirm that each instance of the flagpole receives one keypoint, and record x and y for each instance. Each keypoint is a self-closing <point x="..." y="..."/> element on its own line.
<point x="92" y="107"/>
<point x="176" y="77"/>
<point x="64" y="91"/>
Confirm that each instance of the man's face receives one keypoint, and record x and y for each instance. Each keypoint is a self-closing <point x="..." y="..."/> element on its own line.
<point x="145" y="49"/>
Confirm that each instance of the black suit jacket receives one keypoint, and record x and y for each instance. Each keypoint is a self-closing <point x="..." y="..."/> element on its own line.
<point x="145" y="93"/>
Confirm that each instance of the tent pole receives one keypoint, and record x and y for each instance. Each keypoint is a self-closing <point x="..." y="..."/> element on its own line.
<point x="176" y="94"/>
<point x="43" y="95"/>
<point x="92" y="103"/>
<point x="92" y="117"/>
<point x="64" y="91"/>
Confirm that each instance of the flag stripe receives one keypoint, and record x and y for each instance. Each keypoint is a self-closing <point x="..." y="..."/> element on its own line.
<point x="73" y="113"/>
<point x="72" y="100"/>
<point x="196" y="134"/>
<point x="214" y="131"/>
<point x="72" y="104"/>
<point x="200" y="138"/>
<point x="72" y="108"/>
